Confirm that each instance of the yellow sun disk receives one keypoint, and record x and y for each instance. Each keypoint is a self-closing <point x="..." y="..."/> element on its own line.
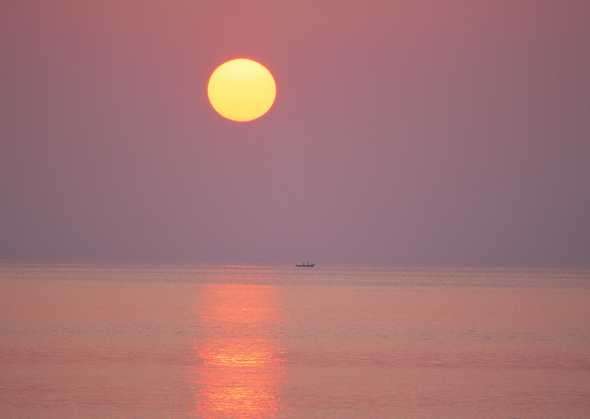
<point x="241" y="90"/>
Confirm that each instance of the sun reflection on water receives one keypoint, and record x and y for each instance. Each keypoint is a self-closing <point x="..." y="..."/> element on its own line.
<point x="238" y="371"/>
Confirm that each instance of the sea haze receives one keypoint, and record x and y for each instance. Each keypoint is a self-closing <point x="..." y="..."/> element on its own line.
<point x="237" y="341"/>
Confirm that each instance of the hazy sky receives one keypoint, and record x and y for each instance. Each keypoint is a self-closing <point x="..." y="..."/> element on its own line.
<point x="421" y="132"/>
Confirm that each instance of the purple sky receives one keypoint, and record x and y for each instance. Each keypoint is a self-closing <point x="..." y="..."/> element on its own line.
<point x="420" y="132"/>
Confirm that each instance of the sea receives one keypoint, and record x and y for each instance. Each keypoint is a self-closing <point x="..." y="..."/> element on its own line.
<point x="248" y="341"/>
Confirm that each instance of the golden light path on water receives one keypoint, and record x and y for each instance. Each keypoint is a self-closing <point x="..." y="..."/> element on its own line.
<point x="238" y="372"/>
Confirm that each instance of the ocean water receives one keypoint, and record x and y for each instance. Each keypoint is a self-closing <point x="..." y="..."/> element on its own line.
<point x="279" y="342"/>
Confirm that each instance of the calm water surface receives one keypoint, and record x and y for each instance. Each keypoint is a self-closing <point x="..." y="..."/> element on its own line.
<point x="278" y="342"/>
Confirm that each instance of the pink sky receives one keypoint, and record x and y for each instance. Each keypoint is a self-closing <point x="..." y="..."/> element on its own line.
<point x="405" y="132"/>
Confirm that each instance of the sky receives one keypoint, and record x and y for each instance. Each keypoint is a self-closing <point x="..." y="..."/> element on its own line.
<point x="405" y="132"/>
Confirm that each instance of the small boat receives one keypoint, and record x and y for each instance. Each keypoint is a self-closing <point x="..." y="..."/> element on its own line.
<point x="305" y="265"/>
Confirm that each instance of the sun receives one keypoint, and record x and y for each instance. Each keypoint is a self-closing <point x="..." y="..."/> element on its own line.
<point x="241" y="90"/>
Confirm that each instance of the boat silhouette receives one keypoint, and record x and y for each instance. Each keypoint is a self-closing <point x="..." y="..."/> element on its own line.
<point x="305" y="265"/>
